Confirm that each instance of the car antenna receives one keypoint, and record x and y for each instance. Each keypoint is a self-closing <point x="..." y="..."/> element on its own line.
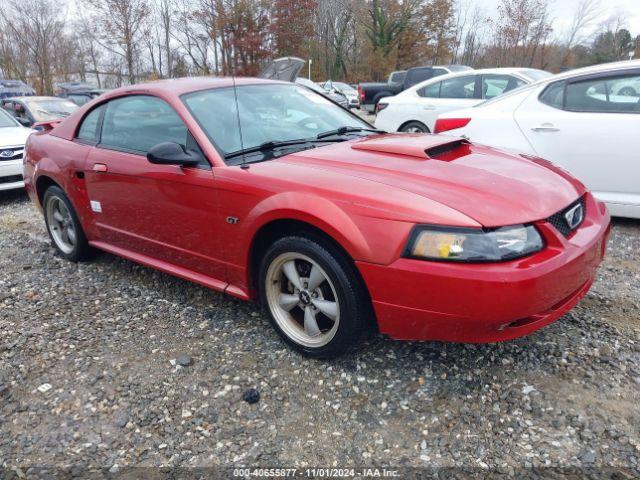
<point x="244" y="165"/>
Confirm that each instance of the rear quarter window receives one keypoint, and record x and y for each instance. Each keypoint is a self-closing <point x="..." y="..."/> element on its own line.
<point x="553" y="95"/>
<point x="88" y="130"/>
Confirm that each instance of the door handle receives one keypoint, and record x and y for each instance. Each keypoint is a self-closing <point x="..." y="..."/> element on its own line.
<point x="429" y="107"/>
<point x="99" y="167"/>
<point x="545" y="127"/>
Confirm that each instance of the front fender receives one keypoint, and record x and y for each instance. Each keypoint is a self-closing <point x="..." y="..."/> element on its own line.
<point x="318" y="211"/>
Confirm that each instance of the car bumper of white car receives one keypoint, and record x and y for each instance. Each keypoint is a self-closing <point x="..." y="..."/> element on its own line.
<point x="11" y="174"/>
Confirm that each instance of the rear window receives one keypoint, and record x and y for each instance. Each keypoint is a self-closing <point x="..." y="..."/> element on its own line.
<point x="534" y="74"/>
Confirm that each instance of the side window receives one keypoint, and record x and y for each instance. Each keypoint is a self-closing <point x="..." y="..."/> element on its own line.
<point x="494" y="85"/>
<point x="89" y="128"/>
<point x="459" y="87"/>
<point x="619" y="94"/>
<point x="553" y="95"/>
<point x="430" y="91"/>
<point x="138" y="122"/>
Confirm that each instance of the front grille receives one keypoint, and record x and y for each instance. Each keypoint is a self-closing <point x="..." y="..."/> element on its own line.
<point x="559" y="221"/>
<point x="11" y="153"/>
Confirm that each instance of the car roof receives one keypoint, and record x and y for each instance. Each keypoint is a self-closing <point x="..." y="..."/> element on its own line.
<point x="33" y="97"/>
<point x="180" y="86"/>
<point x="464" y="73"/>
<point x="577" y="72"/>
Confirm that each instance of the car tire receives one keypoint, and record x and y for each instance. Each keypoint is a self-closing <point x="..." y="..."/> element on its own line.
<point x="414" y="127"/>
<point x="63" y="226"/>
<point x="314" y="296"/>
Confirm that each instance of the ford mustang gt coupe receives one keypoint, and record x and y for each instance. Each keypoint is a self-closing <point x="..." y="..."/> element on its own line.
<point x="267" y="190"/>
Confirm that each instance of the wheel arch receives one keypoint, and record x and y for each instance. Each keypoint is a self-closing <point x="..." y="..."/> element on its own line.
<point x="279" y="228"/>
<point x="404" y="124"/>
<point x="43" y="182"/>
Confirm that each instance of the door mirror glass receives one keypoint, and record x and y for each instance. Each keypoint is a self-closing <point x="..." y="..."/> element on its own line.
<point x="23" y="121"/>
<point x="170" y="153"/>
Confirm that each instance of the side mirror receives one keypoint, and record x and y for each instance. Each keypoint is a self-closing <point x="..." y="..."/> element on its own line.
<point x="23" y="121"/>
<point x="170" y="153"/>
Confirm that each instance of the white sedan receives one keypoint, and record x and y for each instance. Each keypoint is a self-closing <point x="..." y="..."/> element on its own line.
<point x="13" y="136"/>
<point x="416" y="109"/>
<point x="580" y="120"/>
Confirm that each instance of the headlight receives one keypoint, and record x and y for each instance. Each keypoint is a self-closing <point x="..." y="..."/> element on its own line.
<point x="454" y="244"/>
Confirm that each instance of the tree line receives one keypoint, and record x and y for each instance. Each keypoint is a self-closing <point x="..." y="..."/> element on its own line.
<point x="116" y="42"/>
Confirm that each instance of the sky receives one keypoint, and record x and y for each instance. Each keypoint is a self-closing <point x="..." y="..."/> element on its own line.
<point x="562" y="12"/>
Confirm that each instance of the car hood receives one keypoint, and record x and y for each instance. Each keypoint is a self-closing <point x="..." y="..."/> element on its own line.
<point x="13" y="136"/>
<point x="492" y="187"/>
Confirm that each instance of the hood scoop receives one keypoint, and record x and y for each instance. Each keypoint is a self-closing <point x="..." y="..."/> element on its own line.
<point x="424" y="147"/>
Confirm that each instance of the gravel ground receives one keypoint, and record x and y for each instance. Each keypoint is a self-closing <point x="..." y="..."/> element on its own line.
<point x="91" y="376"/>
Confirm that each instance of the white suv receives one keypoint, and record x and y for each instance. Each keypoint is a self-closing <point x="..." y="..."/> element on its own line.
<point x="13" y="136"/>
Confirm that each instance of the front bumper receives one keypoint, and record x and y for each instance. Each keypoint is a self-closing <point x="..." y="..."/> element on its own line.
<point x="11" y="174"/>
<point x="422" y="300"/>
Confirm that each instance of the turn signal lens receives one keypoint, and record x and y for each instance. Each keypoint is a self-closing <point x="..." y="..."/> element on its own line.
<point x="470" y="245"/>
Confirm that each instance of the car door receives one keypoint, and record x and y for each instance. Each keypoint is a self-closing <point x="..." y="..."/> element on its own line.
<point x="582" y="126"/>
<point x="449" y="94"/>
<point x="162" y="212"/>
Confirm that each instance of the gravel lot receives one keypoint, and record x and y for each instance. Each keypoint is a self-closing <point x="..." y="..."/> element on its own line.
<point x="104" y="337"/>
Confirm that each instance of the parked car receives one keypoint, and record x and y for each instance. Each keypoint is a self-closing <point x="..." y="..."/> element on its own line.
<point x="574" y="120"/>
<point x="332" y="95"/>
<point x="31" y="110"/>
<point x="350" y="93"/>
<point x="12" y="139"/>
<point x="416" y="109"/>
<point x="15" y="88"/>
<point x="269" y="190"/>
<point x="626" y="86"/>
<point x="372" y="93"/>
<point x="79" y="93"/>
<point x="287" y="69"/>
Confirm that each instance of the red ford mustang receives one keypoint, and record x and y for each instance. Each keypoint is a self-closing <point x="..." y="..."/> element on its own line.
<point x="272" y="191"/>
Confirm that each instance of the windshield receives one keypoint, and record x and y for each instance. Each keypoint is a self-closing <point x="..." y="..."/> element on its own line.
<point x="344" y="87"/>
<point x="268" y="113"/>
<point x="6" y="120"/>
<point x="50" y="108"/>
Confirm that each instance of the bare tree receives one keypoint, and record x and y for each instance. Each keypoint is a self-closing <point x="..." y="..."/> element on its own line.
<point x="33" y="27"/>
<point x="587" y="12"/>
<point x="121" y="28"/>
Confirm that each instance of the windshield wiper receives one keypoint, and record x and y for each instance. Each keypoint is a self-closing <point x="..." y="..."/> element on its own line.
<point x="270" y="145"/>
<point x="345" y="130"/>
